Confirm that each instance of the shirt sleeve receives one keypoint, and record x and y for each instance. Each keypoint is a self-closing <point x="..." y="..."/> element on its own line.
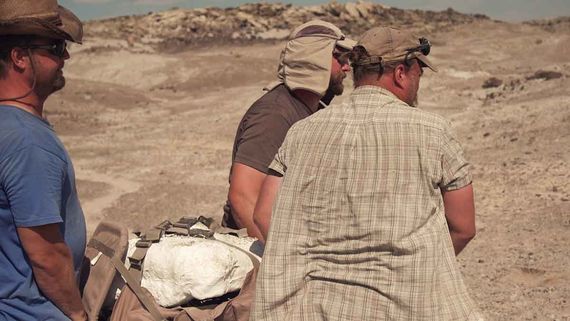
<point x="455" y="168"/>
<point x="280" y="161"/>
<point x="277" y="164"/>
<point x="33" y="180"/>
<point x="261" y="137"/>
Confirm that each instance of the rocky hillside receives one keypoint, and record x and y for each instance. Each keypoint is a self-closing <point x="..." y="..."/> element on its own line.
<point x="552" y="25"/>
<point x="177" y="28"/>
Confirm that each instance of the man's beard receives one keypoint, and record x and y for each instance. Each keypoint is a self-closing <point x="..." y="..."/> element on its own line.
<point x="59" y="82"/>
<point x="51" y="87"/>
<point x="335" y="89"/>
<point x="47" y="87"/>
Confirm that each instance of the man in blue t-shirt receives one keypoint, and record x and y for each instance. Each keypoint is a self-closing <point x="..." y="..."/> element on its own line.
<point x="42" y="227"/>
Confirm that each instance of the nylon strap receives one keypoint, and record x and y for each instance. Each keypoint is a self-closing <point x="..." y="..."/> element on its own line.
<point x="147" y="301"/>
<point x="134" y="276"/>
<point x="137" y="258"/>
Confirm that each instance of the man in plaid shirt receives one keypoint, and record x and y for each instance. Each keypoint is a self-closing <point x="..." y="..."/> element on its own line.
<point x="372" y="202"/>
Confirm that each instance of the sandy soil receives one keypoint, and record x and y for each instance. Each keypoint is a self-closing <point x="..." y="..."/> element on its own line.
<point x="151" y="135"/>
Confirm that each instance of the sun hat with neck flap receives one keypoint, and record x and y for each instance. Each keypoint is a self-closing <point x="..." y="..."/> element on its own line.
<point x="44" y="18"/>
<point x="306" y="59"/>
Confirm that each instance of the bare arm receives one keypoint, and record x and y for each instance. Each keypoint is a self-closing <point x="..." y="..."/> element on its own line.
<point x="53" y="268"/>
<point x="245" y="184"/>
<point x="460" y="215"/>
<point x="263" y="208"/>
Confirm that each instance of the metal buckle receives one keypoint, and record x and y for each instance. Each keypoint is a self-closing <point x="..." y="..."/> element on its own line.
<point x="136" y="264"/>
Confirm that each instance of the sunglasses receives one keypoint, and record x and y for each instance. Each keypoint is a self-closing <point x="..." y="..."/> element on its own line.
<point x="342" y="57"/>
<point x="57" y="48"/>
<point x="424" y="47"/>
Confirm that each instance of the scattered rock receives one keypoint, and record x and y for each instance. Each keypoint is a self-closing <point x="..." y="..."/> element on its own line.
<point x="493" y="96"/>
<point x="492" y="82"/>
<point x="551" y="25"/>
<point x="351" y="10"/>
<point x="546" y="75"/>
<point x="513" y="85"/>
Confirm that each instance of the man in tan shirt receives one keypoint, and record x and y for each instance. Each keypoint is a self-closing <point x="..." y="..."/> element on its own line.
<point x="374" y="202"/>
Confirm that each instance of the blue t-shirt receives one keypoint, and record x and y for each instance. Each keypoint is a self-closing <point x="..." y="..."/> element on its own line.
<point x="37" y="188"/>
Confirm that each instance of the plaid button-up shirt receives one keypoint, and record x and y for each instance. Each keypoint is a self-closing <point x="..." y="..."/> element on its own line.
<point x="358" y="229"/>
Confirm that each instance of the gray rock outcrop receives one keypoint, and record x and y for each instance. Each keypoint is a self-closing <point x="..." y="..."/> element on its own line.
<point x="177" y="28"/>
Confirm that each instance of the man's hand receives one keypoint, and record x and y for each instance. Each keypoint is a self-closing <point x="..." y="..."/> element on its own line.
<point x="460" y="215"/>
<point x="53" y="268"/>
<point x="245" y="184"/>
<point x="264" y="206"/>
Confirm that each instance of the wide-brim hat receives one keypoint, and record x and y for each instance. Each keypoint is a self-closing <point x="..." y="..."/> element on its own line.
<point x="43" y="18"/>
<point x="320" y="28"/>
<point x="392" y="45"/>
<point x="306" y="59"/>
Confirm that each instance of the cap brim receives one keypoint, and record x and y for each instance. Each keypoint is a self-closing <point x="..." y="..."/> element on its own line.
<point x="426" y="62"/>
<point x="346" y="43"/>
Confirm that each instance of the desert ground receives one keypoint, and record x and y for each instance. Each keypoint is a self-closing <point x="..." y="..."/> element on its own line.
<point x="151" y="134"/>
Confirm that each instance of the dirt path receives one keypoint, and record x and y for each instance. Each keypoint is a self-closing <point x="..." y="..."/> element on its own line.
<point x="111" y="189"/>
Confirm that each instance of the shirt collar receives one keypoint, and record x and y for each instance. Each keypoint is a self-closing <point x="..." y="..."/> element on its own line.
<point x="27" y="114"/>
<point x="368" y="89"/>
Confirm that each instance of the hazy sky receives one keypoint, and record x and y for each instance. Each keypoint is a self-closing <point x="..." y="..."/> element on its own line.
<point x="510" y="10"/>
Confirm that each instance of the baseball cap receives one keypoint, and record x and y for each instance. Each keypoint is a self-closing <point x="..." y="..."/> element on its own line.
<point x="385" y="44"/>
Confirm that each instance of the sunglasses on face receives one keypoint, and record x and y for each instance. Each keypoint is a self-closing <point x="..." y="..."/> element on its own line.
<point x="57" y="48"/>
<point x="424" y="47"/>
<point x="342" y="57"/>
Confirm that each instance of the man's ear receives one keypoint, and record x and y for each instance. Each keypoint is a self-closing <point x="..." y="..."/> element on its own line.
<point x="400" y="75"/>
<point x="20" y="58"/>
